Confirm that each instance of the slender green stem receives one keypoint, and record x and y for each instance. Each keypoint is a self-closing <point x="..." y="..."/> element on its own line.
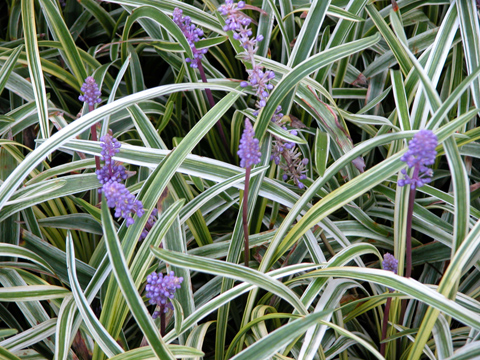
<point x="245" y="215"/>
<point x="408" y="255"/>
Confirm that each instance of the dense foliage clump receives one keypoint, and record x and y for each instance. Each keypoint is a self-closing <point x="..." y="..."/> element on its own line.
<point x="245" y="180"/>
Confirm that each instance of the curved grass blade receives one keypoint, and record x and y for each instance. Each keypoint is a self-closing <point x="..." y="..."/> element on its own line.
<point x="8" y="66"/>
<point x="32" y="293"/>
<point x="61" y="33"/>
<point x="269" y="345"/>
<point x="103" y="17"/>
<point x="64" y="328"/>
<point x="147" y="353"/>
<point x="162" y="19"/>
<point x="443" y="338"/>
<point x="96" y="329"/>
<point x="408" y="286"/>
<point x="329" y="300"/>
<point x="21" y="252"/>
<point x="392" y="40"/>
<point x="201" y="18"/>
<point x="126" y="284"/>
<point x="348" y="192"/>
<point x="7" y="354"/>
<point x="34" y="66"/>
<point x="467" y="352"/>
<point x="470" y="31"/>
<point x="80" y="125"/>
<point x="197" y="336"/>
<point x="31" y="336"/>
<point x="231" y="294"/>
<point x="156" y="183"/>
<point x="215" y="190"/>
<point x="357" y="339"/>
<point x="308" y="35"/>
<point x="232" y="271"/>
<point x="304" y="69"/>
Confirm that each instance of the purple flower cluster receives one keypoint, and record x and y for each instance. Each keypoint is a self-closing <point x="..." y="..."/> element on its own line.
<point x="249" y="151"/>
<point x="152" y="219"/>
<point x="192" y="34"/>
<point x="91" y="93"/>
<point x="123" y="201"/>
<point x="110" y="172"/>
<point x="160" y="289"/>
<point x="294" y="167"/>
<point x="238" y="22"/>
<point x="390" y="263"/>
<point x="111" y="176"/>
<point x="235" y="18"/>
<point x="421" y="152"/>
<point x="258" y="79"/>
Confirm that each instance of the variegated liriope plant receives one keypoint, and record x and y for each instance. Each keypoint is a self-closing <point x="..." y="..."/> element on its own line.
<point x="229" y="180"/>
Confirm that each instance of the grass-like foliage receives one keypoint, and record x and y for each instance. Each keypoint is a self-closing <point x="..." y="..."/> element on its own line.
<point x="242" y="180"/>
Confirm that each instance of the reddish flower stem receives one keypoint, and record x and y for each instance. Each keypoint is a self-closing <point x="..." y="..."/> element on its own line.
<point x="162" y="321"/>
<point x="211" y="101"/>
<point x="408" y="248"/>
<point x="385" y="325"/>
<point x="93" y="130"/>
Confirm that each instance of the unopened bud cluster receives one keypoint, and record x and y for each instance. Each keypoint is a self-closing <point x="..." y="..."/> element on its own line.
<point x="91" y="93"/>
<point x="160" y="289"/>
<point x="293" y="166"/>
<point x="390" y="264"/>
<point x="192" y="34"/>
<point x="421" y="152"/>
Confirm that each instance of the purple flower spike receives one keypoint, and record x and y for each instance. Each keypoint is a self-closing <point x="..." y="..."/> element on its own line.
<point x="259" y="79"/>
<point x="192" y="34"/>
<point x="248" y="151"/>
<point x="91" y="93"/>
<point x="111" y="176"/>
<point x="390" y="263"/>
<point x="118" y="197"/>
<point x="160" y="289"/>
<point x="421" y="152"/>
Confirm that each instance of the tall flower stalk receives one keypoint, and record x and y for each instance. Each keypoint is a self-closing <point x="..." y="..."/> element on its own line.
<point x="193" y="34"/>
<point x="421" y="153"/>
<point x="390" y="264"/>
<point x="250" y="155"/>
<point x="293" y="165"/>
